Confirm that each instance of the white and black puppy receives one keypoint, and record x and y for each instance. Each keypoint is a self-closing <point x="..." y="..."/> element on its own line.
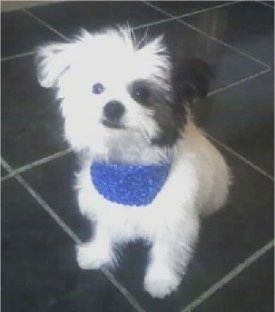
<point x="146" y="170"/>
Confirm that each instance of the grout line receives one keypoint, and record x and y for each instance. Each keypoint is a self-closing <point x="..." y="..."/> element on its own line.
<point x="172" y="18"/>
<point x="228" y="277"/>
<point x="44" y="23"/>
<point x="168" y="19"/>
<point x="12" y="57"/>
<point x="203" y="10"/>
<point x="210" y="8"/>
<point x="211" y="37"/>
<point x="123" y="290"/>
<point x="218" y="90"/>
<point x="42" y="203"/>
<point x="39" y="20"/>
<point x="266" y="4"/>
<point x="231" y="151"/>
<point x="36" y="163"/>
<point x="71" y="233"/>
<point x="252" y="58"/>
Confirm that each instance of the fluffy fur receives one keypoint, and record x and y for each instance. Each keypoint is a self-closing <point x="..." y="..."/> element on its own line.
<point x="112" y="66"/>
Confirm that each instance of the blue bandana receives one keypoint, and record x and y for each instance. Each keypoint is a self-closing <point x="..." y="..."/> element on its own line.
<point x="131" y="185"/>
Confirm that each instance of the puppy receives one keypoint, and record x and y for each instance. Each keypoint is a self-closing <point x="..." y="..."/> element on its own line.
<point x="146" y="170"/>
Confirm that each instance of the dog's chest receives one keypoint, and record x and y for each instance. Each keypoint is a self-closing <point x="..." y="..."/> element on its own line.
<point x="129" y="185"/>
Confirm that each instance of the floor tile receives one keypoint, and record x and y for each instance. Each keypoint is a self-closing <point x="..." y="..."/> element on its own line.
<point x="55" y="182"/>
<point x="243" y="118"/>
<point x="270" y="3"/>
<point x="177" y="8"/>
<point x="183" y="42"/>
<point x="31" y="125"/>
<point x="69" y="17"/>
<point x="32" y="246"/>
<point x="39" y="272"/>
<point x="92" y="294"/>
<point x="248" y="26"/>
<point x="21" y="33"/>
<point x="252" y="290"/>
<point x="230" y="234"/>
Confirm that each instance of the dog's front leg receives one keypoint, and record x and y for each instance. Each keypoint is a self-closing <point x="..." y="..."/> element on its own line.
<point x="169" y="256"/>
<point x="95" y="253"/>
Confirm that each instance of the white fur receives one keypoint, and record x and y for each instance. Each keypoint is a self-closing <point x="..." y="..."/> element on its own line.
<point x="199" y="178"/>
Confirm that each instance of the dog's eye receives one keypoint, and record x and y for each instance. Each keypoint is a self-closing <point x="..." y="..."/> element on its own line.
<point x="140" y="93"/>
<point x="98" y="88"/>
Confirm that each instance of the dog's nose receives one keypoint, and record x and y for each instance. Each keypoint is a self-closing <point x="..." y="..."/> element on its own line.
<point x="113" y="110"/>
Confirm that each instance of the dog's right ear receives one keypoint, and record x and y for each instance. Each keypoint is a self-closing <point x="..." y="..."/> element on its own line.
<point x="52" y="62"/>
<point x="191" y="79"/>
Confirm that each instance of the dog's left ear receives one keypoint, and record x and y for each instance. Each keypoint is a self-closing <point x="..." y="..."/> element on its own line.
<point x="52" y="61"/>
<point x="191" y="79"/>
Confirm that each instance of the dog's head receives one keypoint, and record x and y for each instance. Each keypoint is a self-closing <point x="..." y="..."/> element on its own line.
<point x="111" y="84"/>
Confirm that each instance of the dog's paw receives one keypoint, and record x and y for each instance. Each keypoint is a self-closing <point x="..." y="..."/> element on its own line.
<point x="160" y="282"/>
<point x="91" y="256"/>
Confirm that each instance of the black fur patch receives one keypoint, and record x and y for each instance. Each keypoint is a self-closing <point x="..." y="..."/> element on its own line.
<point x="169" y="112"/>
<point x="170" y="115"/>
<point x="190" y="80"/>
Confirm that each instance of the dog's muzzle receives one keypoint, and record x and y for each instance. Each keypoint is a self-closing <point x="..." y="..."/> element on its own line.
<point x="113" y="112"/>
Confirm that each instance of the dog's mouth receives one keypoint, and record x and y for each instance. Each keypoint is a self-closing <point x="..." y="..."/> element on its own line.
<point x="112" y="124"/>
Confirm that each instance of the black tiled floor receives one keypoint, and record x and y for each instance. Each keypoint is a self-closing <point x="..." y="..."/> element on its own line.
<point x="250" y="291"/>
<point x="20" y="33"/>
<point x="55" y="182"/>
<point x="243" y="118"/>
<point x="69" y="17"/>
<point x="39" y="272"/>
<point x="30" y="280"/>
<point x="31" y="127"/>
<point x="177" y="8"/>
<point x="228" y="66"/>
<point x="96" y="296"/>
<point x="247" y="26"/>
<point x="270" y="3"/>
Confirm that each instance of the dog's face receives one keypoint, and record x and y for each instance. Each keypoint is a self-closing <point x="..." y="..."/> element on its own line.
<point x="113" y="87"/>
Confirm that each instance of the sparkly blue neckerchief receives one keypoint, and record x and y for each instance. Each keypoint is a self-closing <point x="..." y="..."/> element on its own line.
<point x="128" y="184"/>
